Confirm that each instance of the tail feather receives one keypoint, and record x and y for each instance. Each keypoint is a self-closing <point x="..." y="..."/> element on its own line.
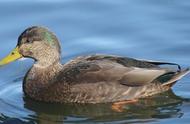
<point x="176" y="77"/>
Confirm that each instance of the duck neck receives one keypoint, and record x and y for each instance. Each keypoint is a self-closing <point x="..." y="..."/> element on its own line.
<point x="46" y="64"/>
<point x="44" y="74"/>
<point x="47" y="60"/>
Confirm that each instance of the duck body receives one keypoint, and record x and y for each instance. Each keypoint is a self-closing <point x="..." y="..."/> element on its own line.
<point x="96" y="79"/>
<point x="87" y="79"/>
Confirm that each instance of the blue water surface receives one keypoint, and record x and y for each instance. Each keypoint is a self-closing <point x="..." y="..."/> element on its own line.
<point x="145" y="29"/>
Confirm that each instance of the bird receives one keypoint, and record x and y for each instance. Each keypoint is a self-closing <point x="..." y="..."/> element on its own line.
<point x="97" y="78"/>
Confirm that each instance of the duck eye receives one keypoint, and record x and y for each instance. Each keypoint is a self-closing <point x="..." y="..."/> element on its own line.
<point x="28" y="41"/>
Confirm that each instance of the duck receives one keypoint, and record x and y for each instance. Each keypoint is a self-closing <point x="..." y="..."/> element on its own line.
<point x="94" y="78"/>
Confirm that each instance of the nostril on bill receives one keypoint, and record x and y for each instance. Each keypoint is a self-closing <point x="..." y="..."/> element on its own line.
<point x="12" y="53"/>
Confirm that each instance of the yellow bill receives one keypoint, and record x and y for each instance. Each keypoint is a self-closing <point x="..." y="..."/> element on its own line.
<point x="14" y="55"/>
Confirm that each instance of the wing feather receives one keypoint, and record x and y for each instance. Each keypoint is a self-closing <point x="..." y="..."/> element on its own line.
<point x="122" y="70"/>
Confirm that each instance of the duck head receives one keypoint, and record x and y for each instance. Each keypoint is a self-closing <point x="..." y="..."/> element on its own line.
<point x="37" y="43"/>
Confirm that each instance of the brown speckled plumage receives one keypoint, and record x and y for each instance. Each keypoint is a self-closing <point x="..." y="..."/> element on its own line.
<point x="88" y="79"/>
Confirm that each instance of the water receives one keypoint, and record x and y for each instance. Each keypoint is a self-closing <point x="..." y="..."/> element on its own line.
<point x="148" y="29"/>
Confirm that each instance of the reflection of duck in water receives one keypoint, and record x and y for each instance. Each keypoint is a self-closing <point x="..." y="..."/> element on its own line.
<point x="165" y="105"/>
<point x="86" y="79"/>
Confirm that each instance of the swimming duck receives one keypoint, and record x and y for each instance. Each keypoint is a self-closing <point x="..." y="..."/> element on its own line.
<point x="87" y="79"/>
